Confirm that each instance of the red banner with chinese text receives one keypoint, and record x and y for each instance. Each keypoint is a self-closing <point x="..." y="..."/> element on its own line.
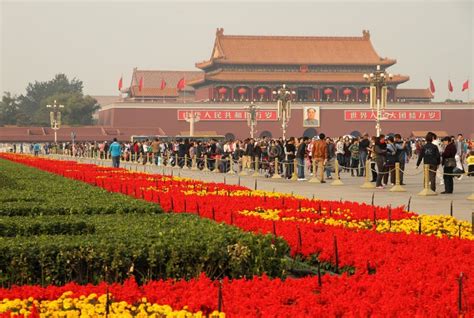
<point x="228" y="115"/>
<point x="393" y="115"/>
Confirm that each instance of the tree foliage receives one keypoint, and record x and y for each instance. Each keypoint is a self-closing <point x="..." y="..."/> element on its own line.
<point x="30" y="108"/>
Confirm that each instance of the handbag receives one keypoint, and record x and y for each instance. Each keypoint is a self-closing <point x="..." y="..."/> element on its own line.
<point x="450" y="163"/>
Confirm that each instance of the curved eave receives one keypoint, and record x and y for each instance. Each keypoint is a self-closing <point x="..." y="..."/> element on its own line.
<point x="196" y="82"/>
<point x="400" y="79"/>
<point x="294" y="77"/>
<point x="204" y="65"/>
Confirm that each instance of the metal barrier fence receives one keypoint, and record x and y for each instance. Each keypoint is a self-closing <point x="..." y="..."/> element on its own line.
<point x="272" y="169"/>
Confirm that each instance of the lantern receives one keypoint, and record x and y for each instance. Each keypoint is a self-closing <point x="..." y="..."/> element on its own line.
<point x="327" y="91"/>
<point x="366" y="91"/>
<point x="262" y="91"/>
<point x="347" y="91"/>
<point x="222" y="90"/>
<point x="242" y="90"/>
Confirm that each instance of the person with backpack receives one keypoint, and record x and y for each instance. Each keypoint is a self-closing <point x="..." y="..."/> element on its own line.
<point x="401" y="155"/>
<point x="300" y="156"/>
<point x="430" y="155"/>
<point x="449" y="163"/>
<point x="380" y="157"/>
<point x="355" y="156"/>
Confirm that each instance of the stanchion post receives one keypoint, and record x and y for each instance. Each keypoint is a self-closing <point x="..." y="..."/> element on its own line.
<point x="194" y="164"/>
<point x="471" y="197"/>
<point x="294" y="176"/>
<point x="397" y="187"/>
<point x="426" y="182"/>
<point x="242" y="166"/>
<point x="276" y="175"/>
<point x="206" y="168"/>
<point x="231" y="166"/>
<point x="337" y="178"/>
<point x="472" y="222"/>
<point x="368" y="172"/>
<point x="185" y="161"/>
<point x="256" y="174"/>
<point x="176" y="163"/>
<point x="216" y="165"/>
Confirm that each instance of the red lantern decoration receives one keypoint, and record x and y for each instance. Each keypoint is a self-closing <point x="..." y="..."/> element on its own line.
<point x="347" y="91"/>
<point x="242" y="90"/>
<point x="327" y="91"/>
<point x="222" y="90"/>
<point x="366" y="91"/>
<point x="262" y="91"/>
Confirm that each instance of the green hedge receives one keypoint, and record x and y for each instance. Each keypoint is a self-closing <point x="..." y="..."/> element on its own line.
<point x="158" y="246"/>
<point x="26" y="191"/>
<point x="22" y="226"/>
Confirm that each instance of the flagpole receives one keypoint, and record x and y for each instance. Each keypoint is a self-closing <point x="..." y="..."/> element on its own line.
<point x="468" y="90"/>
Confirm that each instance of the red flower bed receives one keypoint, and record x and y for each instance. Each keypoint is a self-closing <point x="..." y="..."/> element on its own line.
<point x="395" y="274"/>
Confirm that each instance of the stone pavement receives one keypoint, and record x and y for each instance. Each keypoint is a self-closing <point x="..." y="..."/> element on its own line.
<point x="350" y="191"/>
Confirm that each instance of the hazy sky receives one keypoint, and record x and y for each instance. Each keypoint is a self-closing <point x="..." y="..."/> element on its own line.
<point x="100" y="40"/>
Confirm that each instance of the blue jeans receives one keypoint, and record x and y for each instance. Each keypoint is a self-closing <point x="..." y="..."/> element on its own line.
<point x="300" y="168"/>
<point x="116" y="161"/>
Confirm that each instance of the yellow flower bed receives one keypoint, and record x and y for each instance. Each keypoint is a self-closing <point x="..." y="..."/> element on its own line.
<point x="94" y="306"/>
<point x="241" y="193"/>
<point x="437" y="225"/>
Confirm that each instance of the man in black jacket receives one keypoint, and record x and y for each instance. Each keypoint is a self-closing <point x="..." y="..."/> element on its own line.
<point x="300" y="155"/>
<point x="249" y="154"/>
<point x="430" y="155"/>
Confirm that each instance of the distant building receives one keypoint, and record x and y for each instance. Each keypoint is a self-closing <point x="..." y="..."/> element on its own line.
<point x="407" y="95"/>
<point x="161" y="86"/>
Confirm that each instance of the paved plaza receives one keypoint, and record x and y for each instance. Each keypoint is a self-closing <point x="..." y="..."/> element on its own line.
<point x="350" y="191"/>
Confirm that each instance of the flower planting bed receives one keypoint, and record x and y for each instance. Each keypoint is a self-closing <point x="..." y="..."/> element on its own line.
<point x="395" y="263"/>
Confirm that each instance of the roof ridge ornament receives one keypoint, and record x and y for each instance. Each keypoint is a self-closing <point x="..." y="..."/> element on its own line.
<point x="220" y="31"/>
<point x="366" y="34"/>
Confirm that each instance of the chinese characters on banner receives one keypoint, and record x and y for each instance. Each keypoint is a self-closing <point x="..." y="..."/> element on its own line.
<point x="228" y="115"/>
<point x="393" y="115"/>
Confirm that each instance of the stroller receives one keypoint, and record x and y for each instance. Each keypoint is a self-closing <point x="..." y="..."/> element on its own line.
<point x="268" y="166"/>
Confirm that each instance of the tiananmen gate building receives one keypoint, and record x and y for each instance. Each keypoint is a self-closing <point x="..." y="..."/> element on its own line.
<point x="325" y="73"/>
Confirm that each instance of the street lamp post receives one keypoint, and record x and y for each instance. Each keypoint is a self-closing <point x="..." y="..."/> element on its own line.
<point x="283" y="97"/>
<point x="55" y="118"/>
<point x="378" y="94"/>
<point x="252" y="118"/>
<point x="192" y="118"/>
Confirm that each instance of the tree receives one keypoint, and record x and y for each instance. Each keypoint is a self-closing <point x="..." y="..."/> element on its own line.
<point x="33" y="105"/>
<point x="9" y="109"/>
<point x="78" y="109"/>
<point x="453" y="100"/>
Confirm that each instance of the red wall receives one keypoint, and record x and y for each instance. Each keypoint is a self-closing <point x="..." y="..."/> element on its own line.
<point x="332" y="123"/>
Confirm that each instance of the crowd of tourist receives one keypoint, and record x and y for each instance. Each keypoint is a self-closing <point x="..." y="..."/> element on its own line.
<point x="305" y="154"/>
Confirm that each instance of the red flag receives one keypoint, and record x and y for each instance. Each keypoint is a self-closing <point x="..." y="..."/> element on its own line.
<point x="181" y="84"/>
<point x="140" y="84"/>
<point x="465" y="85"/>
<point x="163" y="84"/>
<point x="432" y="86"/>
<point x="120" y="83"/>
<point x="450" y="86"/>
